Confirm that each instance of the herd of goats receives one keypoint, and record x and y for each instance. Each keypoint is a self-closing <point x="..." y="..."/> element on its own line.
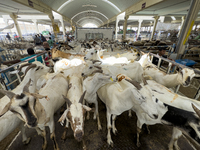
<point x="121" y="83"/>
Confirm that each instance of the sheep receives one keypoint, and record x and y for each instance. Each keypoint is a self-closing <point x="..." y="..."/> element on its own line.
<point x="34" y="110"/>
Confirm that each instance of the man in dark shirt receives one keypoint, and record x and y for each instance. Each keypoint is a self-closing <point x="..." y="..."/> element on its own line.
<point x="161" y="53"/>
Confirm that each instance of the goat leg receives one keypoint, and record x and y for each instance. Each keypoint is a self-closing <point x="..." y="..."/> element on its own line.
<point x="43" y="134"/>
<point x="53" y="138"/>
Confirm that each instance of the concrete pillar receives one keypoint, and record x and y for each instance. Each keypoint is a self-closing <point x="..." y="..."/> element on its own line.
<point x="183" y="19"/>
<point x="162" y="18"/>
<point x="6" y="22"/>
<point x="116" y="28"/>
<point x="14" y="17"/>
<point x="139" y="27"/>
<point x="51" y="17"/>
<point x="125" y="27"/>
<point x="154" y="25"/>
<point x="187" y="27"/>
<point x="36" y="25"/>
<point x="63" y="28"/>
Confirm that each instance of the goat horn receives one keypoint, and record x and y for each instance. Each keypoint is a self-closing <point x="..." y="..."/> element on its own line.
<point x="82" y="97"/>
<point x="8" y="93"/>
<point x="20" y="68"/>
<point x="67" y="100"/>
<point x="29" y="67"/>
<point x="25" y="89"/>
<point x="135" y="83"/>
<point x="94" y="61"/>
<point x="196" y="109"/>
<point x="98" y="67"/>
<point x="192" y="141"/>
<point x="97" y="71"/>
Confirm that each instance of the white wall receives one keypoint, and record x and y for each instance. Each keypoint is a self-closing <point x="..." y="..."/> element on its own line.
<point x="107" y="32"/>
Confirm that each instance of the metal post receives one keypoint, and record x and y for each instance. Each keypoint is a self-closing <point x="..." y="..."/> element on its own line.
<point x="169" y="68"/>
<point x="183" y="19"/>
<point x="187" y="26"/>
<point x="36" y="25"/>
<point x="125" y="27"/>
<point x="139" y="27"/>
<point x="159" y="63"/>
<point x="14" y="17"/>
<point x="116" y="28"/>
<point x="154" y="26"/>
<point x="63" y="28"/>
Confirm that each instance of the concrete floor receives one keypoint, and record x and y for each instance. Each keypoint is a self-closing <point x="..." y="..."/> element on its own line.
<point x="96" y="140"/>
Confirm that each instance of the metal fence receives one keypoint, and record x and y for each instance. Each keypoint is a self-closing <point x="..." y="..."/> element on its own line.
<point x="9" y="81"/>
<point x="168" y="70"/>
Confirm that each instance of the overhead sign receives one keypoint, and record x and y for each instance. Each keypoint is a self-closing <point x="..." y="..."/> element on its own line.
<point x="56" y="28"/>
<point x="143" y="5"/>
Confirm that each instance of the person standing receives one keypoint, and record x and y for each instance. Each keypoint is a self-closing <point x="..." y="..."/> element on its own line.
<point x="50" y="42"/>
<point x="8" y="37"/>
<point x="43" y="39"/>
<point x="37" y="40"/>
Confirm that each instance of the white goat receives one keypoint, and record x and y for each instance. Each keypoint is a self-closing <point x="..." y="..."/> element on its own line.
<point x="122" y="96"/>
<point x="97" y="81"/>
<point x="75" y="112"/>
<point x="169" y="80"/>
<point x="132" y="70"/>
<point x="9" y="121"/>
<point x="35" y="110"/>
<point x="93" y="54"/>
<point x="175" y="100"/>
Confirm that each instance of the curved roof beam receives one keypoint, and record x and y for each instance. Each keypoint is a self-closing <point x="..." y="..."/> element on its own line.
<point x="113" y="5"/>
<point x="89" y="11"/>
<point x="107" y="1"/>
<point x="90" y="17"/>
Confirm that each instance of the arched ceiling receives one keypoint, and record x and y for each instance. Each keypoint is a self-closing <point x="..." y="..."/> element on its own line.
<point x="90" y="21"/>
<point x="102" y="9"/>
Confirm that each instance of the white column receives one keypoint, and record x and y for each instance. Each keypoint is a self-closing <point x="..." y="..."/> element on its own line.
<point x="51" y="17"/>
<point x="63" y="28"/>
<point x="36" y="25"/>
<point x="187" y="26"/>
<point x="183" y="19"/>
<point x="154" y="26"/>
<point x="139" y="27"/>
<point x="14" y="17"/>
<point x="116" y="28"/>
<point x="125" y="27"/>
<point x="162" y="18"/>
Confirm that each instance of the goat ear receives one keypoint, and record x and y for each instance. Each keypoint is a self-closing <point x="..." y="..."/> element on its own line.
<point x="26" y="87"/>
<point x="6" y="108"/>
<point x="67" y="100"/>
<point x="38" y="95"/>
<point x="8" y="93"/>
<point x="88" y="108"/>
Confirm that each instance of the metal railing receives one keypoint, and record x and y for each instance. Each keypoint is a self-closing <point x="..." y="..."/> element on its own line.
<point x="4" y="85"/>
<point x="175" y="64"/>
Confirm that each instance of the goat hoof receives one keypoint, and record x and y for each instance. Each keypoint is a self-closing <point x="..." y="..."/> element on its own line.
<point x="44" y="147"/>
<point x="27" y="141"/>
<point x="138" y="144"/>
<point x="177" y="147"/>
<point x="115" y="131"/>
<point x="99" y="127"/>
<point x="110" y="142"/>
